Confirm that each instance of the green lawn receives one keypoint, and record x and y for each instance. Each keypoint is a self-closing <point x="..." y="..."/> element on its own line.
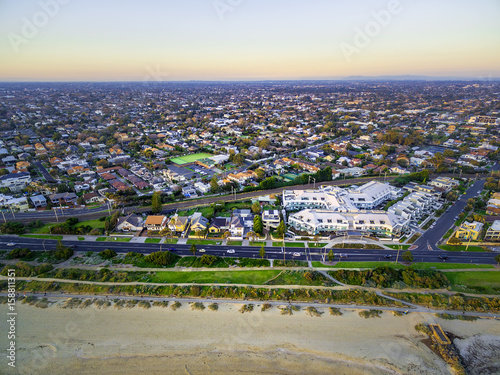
<point x="93" y="223"/>
<point x="397" y="247"/>
<point x="195" y="262"/>
<point x="114" y="239"/>
<point x="461" y="248"/>
<point x="313" y="244"/>
<point x="81" y="238"/>
<point x="289" y="244"/>
<point x="257" y="243"/>
<point x="152" y="240"/>
<point x="203" y="242"/>
<point x="207" y="277"/>
<point x="190" y="158"/>
<point x="297" y="278"/>
<point x="234" y="243"/>
<point x="344" y="264"/>
<point x="485" y="282"/>
<point x="47" y="237"/>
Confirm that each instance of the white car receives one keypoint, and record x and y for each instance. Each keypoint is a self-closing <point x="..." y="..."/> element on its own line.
<point x="296" y="254"/>
<point x="11" y="244"/>
<point x="230" y="251"/>
<point x="202" y="250"/>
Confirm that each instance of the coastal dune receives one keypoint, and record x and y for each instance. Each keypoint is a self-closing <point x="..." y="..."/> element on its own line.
<point x="159" y="341"/>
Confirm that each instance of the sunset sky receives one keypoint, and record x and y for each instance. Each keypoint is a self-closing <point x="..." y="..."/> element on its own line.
<point x="111" y="40"/>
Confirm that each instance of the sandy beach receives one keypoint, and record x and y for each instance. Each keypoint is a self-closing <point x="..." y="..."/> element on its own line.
<point x="162" y="341"/>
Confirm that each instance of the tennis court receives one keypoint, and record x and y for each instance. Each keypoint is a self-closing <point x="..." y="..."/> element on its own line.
<point x="190" y="158"/>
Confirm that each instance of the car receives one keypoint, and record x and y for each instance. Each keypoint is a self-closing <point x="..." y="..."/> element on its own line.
<point x="344" y="255"/>
<point x="11" y="244"/>
<point x="387" y="256"/>
<point x="443" y="257"/>
<point x="296" y="254"/>
<point x="202" y="250"/>
<point x="230" y="251"/>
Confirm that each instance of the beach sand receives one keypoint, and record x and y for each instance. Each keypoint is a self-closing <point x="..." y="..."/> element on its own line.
<point x="162" y="341"/>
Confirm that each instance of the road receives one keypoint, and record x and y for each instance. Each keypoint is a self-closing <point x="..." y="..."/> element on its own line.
<point x="310" y="254"/>
<point x="446" y="221"/>
<point x="48" y="177"/>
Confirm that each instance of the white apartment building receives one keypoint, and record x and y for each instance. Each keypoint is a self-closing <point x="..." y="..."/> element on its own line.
<point x="376" y="222"/>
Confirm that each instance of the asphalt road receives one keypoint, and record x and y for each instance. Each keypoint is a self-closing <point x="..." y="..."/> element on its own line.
<point x="420" y="255"/>
<point x="48" y="177"/>
<point x="430" y="238"/>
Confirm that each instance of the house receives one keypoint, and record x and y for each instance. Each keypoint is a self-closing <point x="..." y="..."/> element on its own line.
<point x="198" y="222"/>
<point x="469" y="231"/>
<point x="39" y="201"/>
<point x="92" y="198"/>
<point x="493" y="232"/>
<point x="63" y="198"/>
<point x="131" y="222"/>
<point x="445" y="183"/>
<point x="271" y="218"/>
<point x="219" y="225"/>
<point x="155" y="222"/>
<point x="15" y="181"/>
<point x="237" y="226"/>
<point x="17" y="204"/>
<point x="178" y="223"/>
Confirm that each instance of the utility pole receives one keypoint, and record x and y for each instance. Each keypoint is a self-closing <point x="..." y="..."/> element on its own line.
<point x="4" y="217"/>
<point x="397" y="256"/>
<point x="55" y="212"/>
<point x="14" y="216"/>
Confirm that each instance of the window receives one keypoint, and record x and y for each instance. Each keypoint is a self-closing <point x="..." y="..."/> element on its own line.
<point x="372" y="222"/>
<point x="382" y="222"/>
<point x="339" y="221"/>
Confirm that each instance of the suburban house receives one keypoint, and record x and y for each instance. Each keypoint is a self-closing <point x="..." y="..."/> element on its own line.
<point x="155" y="222"/>
<point x="271" y="218"/>
<point x="241" y="221"/>
<point x="198" y="222"/>
<point x="444" y="183"/>
<point x="130" y="223"/>
<point x="63" y="198"/>
<point x="39" y="201"/>
<point x="178" y="223"/>
<point x="469" y="231"/>
<point x="493" y="232"/>
<point x="15" y="181"/>
<point x="92" y="198"/>
<point x="219" y="225"/>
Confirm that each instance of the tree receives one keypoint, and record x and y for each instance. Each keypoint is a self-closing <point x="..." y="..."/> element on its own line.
<point x="193" y="249"/>
<point x="256" y="207"/>
<point x="214" y="186"/>
<point x="251" y="236"/>
<point x="156" y="202"/>
<point x="454" y="241"/>
<point x="316" y="239"/>
<point x="258" y="226"/>
<point x="262" y="252"/>
<point x="280" y="231"/>
<point x="80" y="201"/>
<point x="497" y="259"/>
<point x="408" y="256"/>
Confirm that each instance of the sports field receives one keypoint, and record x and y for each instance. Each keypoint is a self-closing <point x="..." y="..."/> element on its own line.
<point x="190" y="158"/>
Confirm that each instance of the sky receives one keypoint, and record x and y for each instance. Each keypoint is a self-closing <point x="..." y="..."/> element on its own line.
<point x="172" y="40"/>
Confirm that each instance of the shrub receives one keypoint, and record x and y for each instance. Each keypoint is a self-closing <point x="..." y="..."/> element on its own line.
<point x="335" y="311"/>
<point x="213" y="306"/>
<point x="197" y="306"/>
<point x="176" y="305"/>
<point x="19" y="253"/>
<point x="313" y="311"/>
<point x="266" y="306"/>
<point x="208" y="260"/>
<point x="370" y="313"/>
<point x="107" y="254"/>
<point x="64" y="253"/>
<point x="161" y="258"/>
<point x="246" y="308"/>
